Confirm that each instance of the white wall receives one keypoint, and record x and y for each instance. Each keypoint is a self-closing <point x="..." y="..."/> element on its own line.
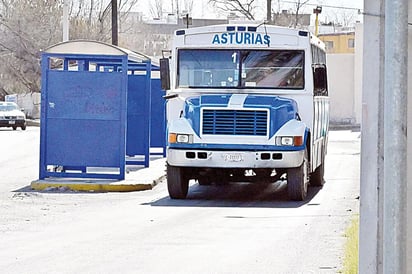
<point x="341" y="80"/>
<point x="371" y="184"/>
<point x="358" y="71"/>
<point x="31" y="104"/>
<point x="345" y="78"/>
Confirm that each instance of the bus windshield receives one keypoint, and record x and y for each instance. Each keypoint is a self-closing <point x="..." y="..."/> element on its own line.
<point x="211" y="68"/>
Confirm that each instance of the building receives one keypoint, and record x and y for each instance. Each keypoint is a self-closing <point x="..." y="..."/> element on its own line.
<point x="339" y="42"/>
<point x="291" y="19"/>
<point x="154" y="36"/>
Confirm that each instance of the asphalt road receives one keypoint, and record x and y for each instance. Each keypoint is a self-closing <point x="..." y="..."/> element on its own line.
<point x="241" y="228"/>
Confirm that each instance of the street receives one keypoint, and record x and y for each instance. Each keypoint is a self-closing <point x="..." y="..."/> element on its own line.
<point x="236" y="228"/>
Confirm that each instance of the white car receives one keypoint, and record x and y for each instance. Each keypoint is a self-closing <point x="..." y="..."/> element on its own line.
<point x="12" y="116"/>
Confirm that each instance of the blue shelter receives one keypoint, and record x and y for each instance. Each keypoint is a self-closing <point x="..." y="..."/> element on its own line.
<point x="95" y="110"/>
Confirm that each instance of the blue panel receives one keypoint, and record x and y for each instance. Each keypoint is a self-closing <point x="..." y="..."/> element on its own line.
<point x="138" y="116"/>
<point x="157" y="126"/>
<point x="83" y="119"/>
<point x="93" y="143"/>
<point x="84" y="95"/>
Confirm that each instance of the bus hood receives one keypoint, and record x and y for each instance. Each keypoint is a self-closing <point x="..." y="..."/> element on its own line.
<point x="280" y="109"/>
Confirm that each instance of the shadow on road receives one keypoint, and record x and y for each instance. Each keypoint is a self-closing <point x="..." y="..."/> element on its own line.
<point x="238" y="195"/>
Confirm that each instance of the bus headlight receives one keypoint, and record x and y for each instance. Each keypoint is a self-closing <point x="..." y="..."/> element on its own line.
<point x="289" y="141"/>
<point x="180" y="138"/>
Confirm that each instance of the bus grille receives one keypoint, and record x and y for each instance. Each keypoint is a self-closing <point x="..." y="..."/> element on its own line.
<point x="235" y="122"/>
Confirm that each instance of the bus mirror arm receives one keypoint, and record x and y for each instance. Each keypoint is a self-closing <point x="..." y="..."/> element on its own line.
<point x="170" y="96"/>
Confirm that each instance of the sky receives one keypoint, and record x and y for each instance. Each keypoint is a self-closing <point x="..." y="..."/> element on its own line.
<point x="332" y="10"/>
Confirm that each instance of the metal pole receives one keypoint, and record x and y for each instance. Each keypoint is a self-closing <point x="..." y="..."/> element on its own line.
<point x="114" y="23"/>
<point x="65" y="21"/>
<point x="395" y="137"/>
<point x="317" y="11"/>
<point x="269" y="11"/>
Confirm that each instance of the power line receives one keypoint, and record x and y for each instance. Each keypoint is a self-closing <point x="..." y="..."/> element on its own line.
<point x="327" y="6"/>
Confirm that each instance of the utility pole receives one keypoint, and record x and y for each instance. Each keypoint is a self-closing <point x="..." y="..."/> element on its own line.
<point x="115" y="40"/>
<point x="395" y="137"/>
<point x="65" y="21"/>
<point x="269" y="11"/>
<point x="177" y="8"/>
<point x="187" y="20"/>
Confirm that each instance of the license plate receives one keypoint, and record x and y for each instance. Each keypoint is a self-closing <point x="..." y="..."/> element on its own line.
<point x="12" y="122"/>
<point x="233" y="157"/>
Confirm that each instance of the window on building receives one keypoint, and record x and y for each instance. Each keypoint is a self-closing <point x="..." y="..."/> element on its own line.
<point x="351" y="43"/>
<point x="329" y="45"/>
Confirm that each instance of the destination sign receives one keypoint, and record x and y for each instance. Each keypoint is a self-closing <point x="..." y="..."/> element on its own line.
<point x="241" y="38"/>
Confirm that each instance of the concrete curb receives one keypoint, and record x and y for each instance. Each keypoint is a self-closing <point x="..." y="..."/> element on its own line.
<point x="92" y="186"/>
<point x="353" y="127"/>
<point x="32" y="123"/>
<point x="141" y="179"/>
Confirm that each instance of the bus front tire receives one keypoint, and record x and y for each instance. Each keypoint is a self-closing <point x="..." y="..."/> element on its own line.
<point x="298" y="180"/>
<point x="317" y="177"/>
<point x="177" y="182"/>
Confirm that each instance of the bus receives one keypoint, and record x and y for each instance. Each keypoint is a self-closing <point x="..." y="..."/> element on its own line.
<point x="246" y="103"/>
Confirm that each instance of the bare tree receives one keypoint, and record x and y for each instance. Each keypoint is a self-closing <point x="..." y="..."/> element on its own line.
<point x="344" y="17"/>
<point x="298" y="5"/>
<point x="156" y="8"/>
<point x="188" y="6"/>
<point x="243" y="7"/>
<point x="28" y="26"/>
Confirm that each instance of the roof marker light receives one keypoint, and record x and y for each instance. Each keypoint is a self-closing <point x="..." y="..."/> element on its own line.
<point x="230" y="28"/>
<point x="180" y="32"/>
<point x="303" y="33"/>
<point x="252" y="28"/>
<point x="241" y="28"/>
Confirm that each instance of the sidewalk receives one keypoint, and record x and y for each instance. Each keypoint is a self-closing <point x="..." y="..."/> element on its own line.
<point x="140" y="179"/>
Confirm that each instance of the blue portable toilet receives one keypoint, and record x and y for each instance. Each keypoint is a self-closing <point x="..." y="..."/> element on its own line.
<point x="87" y="88"/>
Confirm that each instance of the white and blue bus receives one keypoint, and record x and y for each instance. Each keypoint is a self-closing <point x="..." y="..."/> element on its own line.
<point x="246" y="103"/>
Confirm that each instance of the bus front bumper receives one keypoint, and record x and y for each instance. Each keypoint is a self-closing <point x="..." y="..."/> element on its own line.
<point x="234" y="159"/>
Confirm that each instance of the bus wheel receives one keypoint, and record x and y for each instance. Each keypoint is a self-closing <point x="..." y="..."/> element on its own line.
<point x="177" y="182"/>
<point x="316" y="178"/>
<point x="298" y="180"/>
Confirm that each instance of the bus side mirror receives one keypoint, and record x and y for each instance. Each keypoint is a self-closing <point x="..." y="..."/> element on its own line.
<point x="165" y="73"/>
<point x="320" y="81"/>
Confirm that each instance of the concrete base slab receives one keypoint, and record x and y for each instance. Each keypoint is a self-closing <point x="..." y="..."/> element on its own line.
<point x="136" y="179"/>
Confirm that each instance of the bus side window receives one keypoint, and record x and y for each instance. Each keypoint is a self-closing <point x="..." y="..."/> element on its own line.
<point x="320" y="81"/>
